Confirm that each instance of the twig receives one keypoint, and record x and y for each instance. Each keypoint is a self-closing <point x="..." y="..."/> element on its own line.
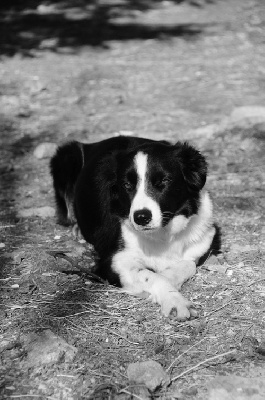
<point x="131" y="394"/>
<point x="257" y="281"/>
<point x="245" y="332"/>
<point x="19" y="396"/>
<point x="201" y="363"/>
<point x="61" y="254"/>
<point x="184" y="352"/>
<point x="120" y="336"/>
<point x="70" y="315"/>
<point x="219" y="308"/>
<point x="99" y="374"/>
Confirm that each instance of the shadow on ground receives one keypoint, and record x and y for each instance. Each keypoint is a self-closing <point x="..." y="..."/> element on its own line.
<point x="34" y="25"/>
<point x="13" y="147"/>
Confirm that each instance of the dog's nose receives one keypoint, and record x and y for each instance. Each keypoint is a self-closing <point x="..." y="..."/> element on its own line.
<point x="142" y="217"/>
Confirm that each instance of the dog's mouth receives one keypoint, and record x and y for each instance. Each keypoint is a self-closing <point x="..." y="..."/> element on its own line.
<point x="144" y="229"/>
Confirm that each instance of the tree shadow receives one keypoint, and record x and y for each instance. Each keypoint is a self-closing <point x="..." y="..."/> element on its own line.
<point x="30" y="25"/>
<point x="13" y="147"/>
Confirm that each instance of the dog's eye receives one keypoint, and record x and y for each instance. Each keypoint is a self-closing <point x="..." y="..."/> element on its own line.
<point x="128" y="186"/>
<point x="161" y="184"/>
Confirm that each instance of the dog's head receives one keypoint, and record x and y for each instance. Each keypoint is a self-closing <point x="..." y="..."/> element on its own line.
<point x="156" y="182"/>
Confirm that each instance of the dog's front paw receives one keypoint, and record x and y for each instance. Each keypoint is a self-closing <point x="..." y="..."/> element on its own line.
<point x="175" y="301"/>
<point x="76" y="232"/>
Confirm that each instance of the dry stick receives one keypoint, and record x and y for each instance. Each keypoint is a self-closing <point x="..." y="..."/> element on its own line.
<point x="131" y="394"/>
<point x="70" y="315"/>
<point x="257" y="281"/>
<point x="218" y="309"/>
<point x="201" y="363"/>
<point x="121" y="337"/>
<point x="61" y="254"/>
<point x="99" y="374"/>
<point x="184" y="352"/>
<point x="19" y="396"/>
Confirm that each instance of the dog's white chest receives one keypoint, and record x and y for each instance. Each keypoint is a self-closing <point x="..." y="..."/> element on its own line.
<point x="155" y="253"/>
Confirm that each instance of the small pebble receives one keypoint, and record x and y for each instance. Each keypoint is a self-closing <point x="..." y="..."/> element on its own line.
<point x="15" y="286"/>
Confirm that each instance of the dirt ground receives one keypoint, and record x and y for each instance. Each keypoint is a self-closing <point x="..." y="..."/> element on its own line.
<point x="90" y="70"/>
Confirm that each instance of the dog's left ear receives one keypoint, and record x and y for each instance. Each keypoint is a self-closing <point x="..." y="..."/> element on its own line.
<point x="193" y="166"/>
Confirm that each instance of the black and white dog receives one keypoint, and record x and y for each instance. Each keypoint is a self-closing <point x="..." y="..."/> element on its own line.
<point x="141" y="203"/>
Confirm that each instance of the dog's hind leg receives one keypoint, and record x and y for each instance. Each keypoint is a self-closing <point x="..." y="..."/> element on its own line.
<point x="65" y="167"/>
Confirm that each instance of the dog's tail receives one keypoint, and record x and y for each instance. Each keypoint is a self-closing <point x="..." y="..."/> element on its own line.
<point x="65" y="167"/>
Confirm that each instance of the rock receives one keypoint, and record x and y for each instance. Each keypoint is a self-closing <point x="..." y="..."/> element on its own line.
<point x="49" y="43"/>
<point x="248" y="144"/>
<point x="45" y="150"/>
<point x="74" y="249"/>
<point x="8" y="342"/>
<point x="47" y="348"/>
<point x="149" y="373"/>
<point x="234" y="387"/>
<point x="43" y="212"/>
<point x="212" y="260"/>
<point x="205" y="132"/>
<point x="261" y="348"/>
<point x="238" y="248"/>
<point x="192" y="391"/>
<point x="213" y="264"/>
<point x="247" y="116"/>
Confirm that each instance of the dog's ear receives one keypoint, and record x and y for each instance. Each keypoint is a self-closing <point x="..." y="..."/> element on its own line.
<point x="193" y="166"/>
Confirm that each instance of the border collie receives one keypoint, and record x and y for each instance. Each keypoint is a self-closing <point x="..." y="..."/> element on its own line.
<point x="143" y="206"/>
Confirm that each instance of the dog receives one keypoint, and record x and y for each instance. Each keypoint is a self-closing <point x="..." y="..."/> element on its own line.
<point x="142" y="204"/>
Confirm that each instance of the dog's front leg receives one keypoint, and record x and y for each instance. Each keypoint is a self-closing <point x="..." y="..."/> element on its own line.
<point x="178" y="272"/>
<point x="136" y="279"/>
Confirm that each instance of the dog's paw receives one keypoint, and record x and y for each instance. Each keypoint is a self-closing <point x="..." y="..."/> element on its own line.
<point x="183" y="307"/>
<point x="76" y="232"/>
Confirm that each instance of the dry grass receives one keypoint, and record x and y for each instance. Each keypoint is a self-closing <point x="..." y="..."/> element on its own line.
<point x="152" y="88"/>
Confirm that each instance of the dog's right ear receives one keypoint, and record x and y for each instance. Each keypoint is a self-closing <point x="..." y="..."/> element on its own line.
<point x="193" y="166"/>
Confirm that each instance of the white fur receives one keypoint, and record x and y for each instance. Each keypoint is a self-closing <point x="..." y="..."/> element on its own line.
<point x="170" y="254"/>
<point x="141" y="199"/>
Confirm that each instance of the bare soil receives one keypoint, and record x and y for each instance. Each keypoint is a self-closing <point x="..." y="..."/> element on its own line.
<point x="90" y="70"/>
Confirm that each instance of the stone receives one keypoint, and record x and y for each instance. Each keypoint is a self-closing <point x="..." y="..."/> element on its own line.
<point x="49" y="43"/>
<point x="74" y="249"/>
<point x="205" y="132"/>
<point x="45" y="150"/>
<point x="212" y="260"/>
<point x="149" y="373"/>
<point x="43" y="212"/>
<point x="247" y="116"/>
<point x="235" y="387"/>
<point x="238" y="248"/>
<point x="248" y="144"/>
<point x="47" y="348"/>
<point x="213" y="264"/>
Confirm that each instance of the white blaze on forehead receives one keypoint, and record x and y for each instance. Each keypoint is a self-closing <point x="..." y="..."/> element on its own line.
<point x="140" y="162"/>
<point x="142" y="199"/>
